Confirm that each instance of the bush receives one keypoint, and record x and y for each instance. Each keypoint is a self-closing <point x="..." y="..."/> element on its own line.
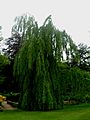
<point x="13" y="96"/>
<point x="87" y="98"/>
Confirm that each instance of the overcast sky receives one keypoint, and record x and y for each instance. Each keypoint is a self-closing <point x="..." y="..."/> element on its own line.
<point x="70" y="15"/>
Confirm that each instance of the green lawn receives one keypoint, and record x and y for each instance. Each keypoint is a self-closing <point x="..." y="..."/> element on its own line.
<point x="75" y="112"/>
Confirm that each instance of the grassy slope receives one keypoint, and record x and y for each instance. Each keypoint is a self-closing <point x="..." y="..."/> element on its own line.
<point x="76" y="112"/>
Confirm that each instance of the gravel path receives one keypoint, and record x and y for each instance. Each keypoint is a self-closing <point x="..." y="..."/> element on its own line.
<point x="6" y="106"/>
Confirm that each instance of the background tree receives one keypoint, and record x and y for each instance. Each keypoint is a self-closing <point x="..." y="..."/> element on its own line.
<point x="84" y="57"/>
<point x="13" y="46"/>
<point x="4" y="65"/>
<point x="1" y="38"/>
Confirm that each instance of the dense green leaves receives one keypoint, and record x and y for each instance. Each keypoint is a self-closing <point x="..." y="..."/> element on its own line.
<point x="37" y="71"/>
<point x="48" y="67"/>
<point x="45" y="67"/>
<point x="4" y="62"/>
<point x="84" y="57"/>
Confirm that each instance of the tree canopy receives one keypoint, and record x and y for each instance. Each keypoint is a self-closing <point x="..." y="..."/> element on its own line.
<point x="37" y="67"/>
<point x="48" y="67"/>
<point x="37" y="70"/>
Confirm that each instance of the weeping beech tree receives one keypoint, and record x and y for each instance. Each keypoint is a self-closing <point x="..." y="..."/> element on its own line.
<point x="36" y="67"/>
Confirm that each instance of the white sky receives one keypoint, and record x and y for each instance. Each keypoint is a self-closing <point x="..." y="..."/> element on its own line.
<point x="71" y="15"/>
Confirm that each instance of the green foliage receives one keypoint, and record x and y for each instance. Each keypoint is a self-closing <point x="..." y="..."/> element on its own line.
<point x="4" y="62"/>
<point x="1" y="38"/>
<point x="37" y="70"/>
<point x="46" y="67"/>
<point x="14" y="97"/>
<point x="22" y="25"/>
<point x="84" y="57"/>
<point x="76" y="84"/>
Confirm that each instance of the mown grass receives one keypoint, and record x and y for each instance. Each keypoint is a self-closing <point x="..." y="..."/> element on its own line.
<point x="74" y="112"/>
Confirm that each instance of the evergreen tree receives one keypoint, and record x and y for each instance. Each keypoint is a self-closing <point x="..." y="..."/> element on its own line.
<point x="13" y="45"/>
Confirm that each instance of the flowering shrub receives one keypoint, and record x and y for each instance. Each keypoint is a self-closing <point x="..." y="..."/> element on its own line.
<point x="2" y="98"/>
